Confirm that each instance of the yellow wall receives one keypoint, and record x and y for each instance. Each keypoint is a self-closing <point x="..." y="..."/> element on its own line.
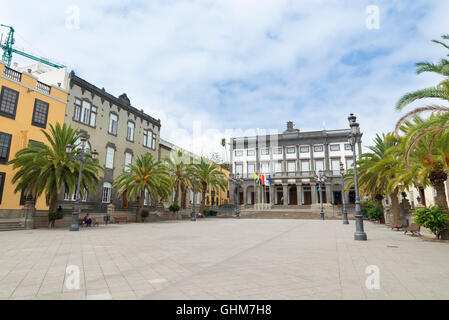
<point x="222" y="195"/>
<point x="21" y="129"/>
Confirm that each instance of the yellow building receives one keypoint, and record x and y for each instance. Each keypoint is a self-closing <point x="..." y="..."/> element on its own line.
<point x="26" y="106"/>
<point x="218" y="197"/>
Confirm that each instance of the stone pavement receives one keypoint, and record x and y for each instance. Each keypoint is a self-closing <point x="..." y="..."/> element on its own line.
<point x="222" y="259"/>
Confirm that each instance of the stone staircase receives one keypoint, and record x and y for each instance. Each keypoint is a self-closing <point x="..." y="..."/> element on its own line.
<point x="10" y="225"/>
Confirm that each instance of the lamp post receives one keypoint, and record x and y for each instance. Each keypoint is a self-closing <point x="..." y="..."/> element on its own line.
<point x="345" y="213"/>
<point x="194" y="179"/>
<point x="320" y="179"/>
<point x="238" y="183"/>
<point x="82" y="156"/>
<point x="354" y="135"/>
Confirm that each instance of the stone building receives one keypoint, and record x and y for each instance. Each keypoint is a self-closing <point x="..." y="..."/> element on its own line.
<point x="292" y="160"/>
<point x="114" y="128"/>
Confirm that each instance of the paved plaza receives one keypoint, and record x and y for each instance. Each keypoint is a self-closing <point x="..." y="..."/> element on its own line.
<point x="222" y="259"/>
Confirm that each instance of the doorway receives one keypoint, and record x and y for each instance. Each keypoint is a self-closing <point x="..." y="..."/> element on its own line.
<point x="293" y="196"/>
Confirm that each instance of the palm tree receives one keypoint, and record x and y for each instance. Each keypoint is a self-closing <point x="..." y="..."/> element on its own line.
<point x="441" y="91"/>
<point x="177" y="166"/>
<point x="427" y="156"/>
<point x="377" y="169"/>
<point x="47" y="167"/>
<point x="209" y="175"/>
<point x="144" y="174"/>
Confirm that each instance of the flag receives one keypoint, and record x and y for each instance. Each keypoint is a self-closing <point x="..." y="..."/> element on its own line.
<point x="262" y="178"/>
<point x="256" y="179"/>
<point x="269" y="180"/>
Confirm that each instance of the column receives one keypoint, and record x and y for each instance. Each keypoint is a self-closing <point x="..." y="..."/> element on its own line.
<point x="285" y="194"/>
<point x="299" y="193"/>
<point x="326" y="157"/>
<point x="314" y="193"/>
<point x="272" y="193"/>
<point x="312" y="163"/>
<point x="245" y="200"/>
<point x="328" y="193"/>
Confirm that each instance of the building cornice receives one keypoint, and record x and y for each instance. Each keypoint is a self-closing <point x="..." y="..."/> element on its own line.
<point x="122" y="103"/>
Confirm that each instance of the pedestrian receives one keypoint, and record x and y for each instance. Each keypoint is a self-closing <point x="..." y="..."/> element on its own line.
<point x="282" y="201"/>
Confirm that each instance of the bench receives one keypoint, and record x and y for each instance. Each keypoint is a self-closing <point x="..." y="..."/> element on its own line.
<point x="413" y="228"/>
<point x="120" y="219"/>
<point x="397" y="226"/>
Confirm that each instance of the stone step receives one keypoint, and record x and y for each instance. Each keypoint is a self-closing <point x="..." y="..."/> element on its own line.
<point x="10" y="226"/>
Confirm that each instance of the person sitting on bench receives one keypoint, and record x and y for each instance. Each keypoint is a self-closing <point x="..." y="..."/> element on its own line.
<point x="87" y="220"/>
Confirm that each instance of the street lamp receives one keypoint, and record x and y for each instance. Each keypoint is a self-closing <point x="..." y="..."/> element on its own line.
<point x="354" y="135"/>
<point x="238" y="183"/>
<point x="194" y="179"/>
<point x="320" y="179"/>
<point x="82" y="156"/>
<point x="345" y="213"/>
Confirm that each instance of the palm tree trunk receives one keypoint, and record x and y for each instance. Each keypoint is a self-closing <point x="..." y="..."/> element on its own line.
<point x="395" y="206"/>
<point x="176" y="194"/>
<point x="441" y="201"/>
<point x="203" y="198"/>
<point x="53" y="202"/>
<point x="140" y="206"/>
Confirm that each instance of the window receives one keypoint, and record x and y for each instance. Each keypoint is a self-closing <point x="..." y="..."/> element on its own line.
<point x="130" y="133"/>
<point x="153" y="142"/>
<point x="239" y="169"/>
<point x="2" y="184"/>
<point x="110" y="157"/>
<point x="8" y="102"/>
<point x="319" y="165"/>
<point x="128" y="160"/>
<point x="348" y="146"/>
<point x="72" y="197"/>
<point x="149" y="139"/>
<point x="277" y="150"/>
<point x="264" y="151"/>
<point x="304" y="149"/>
<point x="265" y="167"/>
<point x="318" y="148"/>
<point x="40" y="113"/>
<point x="291" y="166"/>
<point x="239" y="153"/>
<point x="93" y="116"/>
<point x="251" y="168"/>
<point x="349" y="163"/>
<point x="85" y="112"/>
<point x="147" y="198"/>
<point x="251" y="152"/>
<point x="305" y="165"/>
<point x="5" y="143"/>
<point x="77" y="110"/>
<point x="335" y="164"/>
<point x="113" y="120"/>
<point x="106" y="196"/>
<point x="291" y="150"/>
<point x="335" y="147"/>
<point x="277" y="167"/>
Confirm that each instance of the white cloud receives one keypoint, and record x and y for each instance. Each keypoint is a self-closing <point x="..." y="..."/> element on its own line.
<point x="242" y="64"/>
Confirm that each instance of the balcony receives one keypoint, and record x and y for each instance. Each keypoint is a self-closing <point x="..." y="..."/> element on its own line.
<point x="42" y="87"/>
<point x="12" y="74"/>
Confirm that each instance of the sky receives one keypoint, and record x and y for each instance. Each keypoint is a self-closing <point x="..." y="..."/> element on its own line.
<point x="213" y="69"/>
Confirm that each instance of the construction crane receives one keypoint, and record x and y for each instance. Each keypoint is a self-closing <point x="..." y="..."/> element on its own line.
<point x="8" y="50"/>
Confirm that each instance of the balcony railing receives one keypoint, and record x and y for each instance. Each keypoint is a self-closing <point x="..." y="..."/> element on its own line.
<point x="42" y="87"/>
<point x="12" y="74"/>
<point x="302" y="174"/>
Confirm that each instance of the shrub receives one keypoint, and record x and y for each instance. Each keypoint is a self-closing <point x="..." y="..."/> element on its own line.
<point x="174" y="208"/>
<point x="56" y="215"/>
<point x="366" y="206"/>
<point x="144" y="213"/>
<point x="432" y="218"/>
<point x="375" y="213"/>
